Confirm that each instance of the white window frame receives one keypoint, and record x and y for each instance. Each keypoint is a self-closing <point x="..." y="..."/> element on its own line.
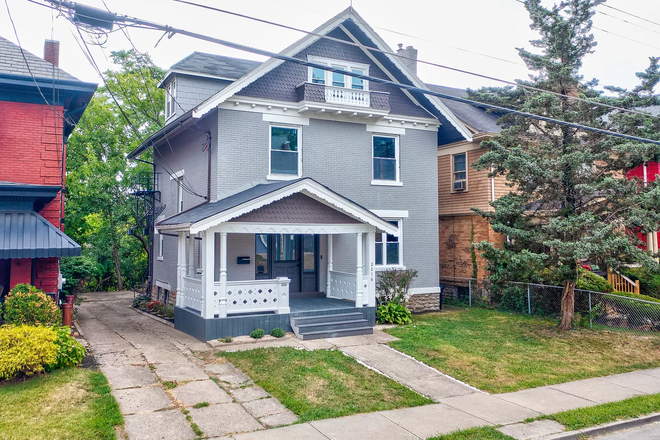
<point x="170" y="99"/>
<point x="345" y="65"/>
<point x="453" y="173"/>
<point x="272" y="176"/>
<point x="160" y="247"/>
<point x="381" y="267"/>
<point x="179" y="194"/>
<point x="397" y="156"/>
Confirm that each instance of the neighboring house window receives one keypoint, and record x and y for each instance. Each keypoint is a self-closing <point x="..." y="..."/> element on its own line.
<point x="385" y="158"/>
<point x="388" y="248"/>
<point x="179" y="194"/>
<point x="459" y="172"/>
<point x="170" y="99"/>
<point x="336" y="79"/>
<point x="285" y="159"/>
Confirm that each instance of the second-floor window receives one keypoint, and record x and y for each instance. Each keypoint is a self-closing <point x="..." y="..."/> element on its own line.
<point x="337" y="79"/>
<point x="170" y="99"/>
<point x="285" y="159"/>
<point x="385" y="158"/>
<point x="179" y="194"/>
<point x="459" y="172"/>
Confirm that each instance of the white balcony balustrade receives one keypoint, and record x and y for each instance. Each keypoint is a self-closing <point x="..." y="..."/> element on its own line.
<point x="353" y="97"/>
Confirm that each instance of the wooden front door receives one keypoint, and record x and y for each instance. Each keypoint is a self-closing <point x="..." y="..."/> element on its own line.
<point x="288" y="255"/>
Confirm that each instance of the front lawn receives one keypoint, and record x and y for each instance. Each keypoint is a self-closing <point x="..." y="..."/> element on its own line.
<point x="69" y="404"/>
<point x="322" y="384"/>
<point x="500" y="352"/>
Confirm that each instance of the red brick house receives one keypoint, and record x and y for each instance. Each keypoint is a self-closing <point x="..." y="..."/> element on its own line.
<point x="40" y="105"/>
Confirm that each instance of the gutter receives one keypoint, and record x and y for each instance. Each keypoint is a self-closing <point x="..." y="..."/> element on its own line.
<point x="151" y="140"/>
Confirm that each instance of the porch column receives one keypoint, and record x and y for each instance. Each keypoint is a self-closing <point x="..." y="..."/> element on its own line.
<point x="371" y="268"/>
<point x="222" y="294"/>
<point x="209" y="293"/>
<point x="358" y="273"/>
<point x="180" y="268"/>
<point x="328" y="286"/>
<point x="191" y="256"/>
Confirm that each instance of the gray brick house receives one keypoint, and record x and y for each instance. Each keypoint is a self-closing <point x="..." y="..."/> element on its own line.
<point x="296" y="186"/>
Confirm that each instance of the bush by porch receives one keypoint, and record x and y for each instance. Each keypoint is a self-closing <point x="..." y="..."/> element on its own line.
<point x="322" y="384"/>
<point x="501" y="352"/>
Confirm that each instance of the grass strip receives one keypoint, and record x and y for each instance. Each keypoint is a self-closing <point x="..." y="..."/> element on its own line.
<point x="483" y="433"/>
<point x="71" y="404"/>
<point x="607" y="412"/>
<point x="322" y="384"/>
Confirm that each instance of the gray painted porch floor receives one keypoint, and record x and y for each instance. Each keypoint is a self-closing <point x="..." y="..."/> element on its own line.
<point x="316" y="304"/>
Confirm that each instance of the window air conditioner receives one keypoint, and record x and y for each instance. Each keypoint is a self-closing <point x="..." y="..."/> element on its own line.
<point x="459" y="186"/>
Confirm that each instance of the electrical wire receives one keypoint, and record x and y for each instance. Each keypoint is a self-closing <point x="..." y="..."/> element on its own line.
<point x="632" y="15"/>
<point x="403" y="57"/>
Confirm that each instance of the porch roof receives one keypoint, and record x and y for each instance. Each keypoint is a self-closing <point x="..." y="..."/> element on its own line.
<point x="26" y="234"/>
<point x="208" y="215"/>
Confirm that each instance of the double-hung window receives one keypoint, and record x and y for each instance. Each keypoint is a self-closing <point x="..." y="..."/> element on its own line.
<point x="459" y="172"/>
<point x="385" y="151"/>
<point x="170" y="99"/>
<point x="285" y="155"/>
<point x="388" y="248"/>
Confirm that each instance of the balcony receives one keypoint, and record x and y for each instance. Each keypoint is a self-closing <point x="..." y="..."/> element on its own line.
<point x="365" y="99"/>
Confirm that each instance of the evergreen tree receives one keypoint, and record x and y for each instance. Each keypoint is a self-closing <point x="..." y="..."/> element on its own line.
<point x="570" y="200"/>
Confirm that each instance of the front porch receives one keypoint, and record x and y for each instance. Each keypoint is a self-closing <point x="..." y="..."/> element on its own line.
<point x="286" y="268"/>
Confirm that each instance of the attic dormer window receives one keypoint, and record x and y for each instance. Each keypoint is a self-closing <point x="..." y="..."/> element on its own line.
<point x="337" y="79"/>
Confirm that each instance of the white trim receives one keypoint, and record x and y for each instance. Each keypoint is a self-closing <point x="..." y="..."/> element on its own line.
<point x="238" y="85"/>
<point x="423" y="290"/>
<point x="178" y="174"/>
<point x="468" y="146"/>
<point x="387" y="130"/>
<point x="163" y="285"/>
<point x="282" y="119"/>
<point x="292" y="228"/>
<point x="383" y="243"/>
<point x="391" y="213"/>
<point x="308" y="187"/>
<point x="397" y="160"/>
<point x="386" y="183"/>
<point x="272" y="176"/>
<point x="347" y="65"/>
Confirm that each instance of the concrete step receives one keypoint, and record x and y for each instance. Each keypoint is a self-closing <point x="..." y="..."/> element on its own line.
<point x="322" y="319"/>
<point x="321" y="326"/>
<point x="338" y="333"/>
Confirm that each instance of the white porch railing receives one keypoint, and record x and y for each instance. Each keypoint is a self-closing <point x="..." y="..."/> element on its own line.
<point x="342" y="285"/>
<point x="256" y="296"/>
<point x="340" y="95"/>
<point x="192" y="294"/>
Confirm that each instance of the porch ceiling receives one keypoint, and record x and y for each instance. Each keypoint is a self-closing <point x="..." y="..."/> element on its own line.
<point x="348" y="215"/>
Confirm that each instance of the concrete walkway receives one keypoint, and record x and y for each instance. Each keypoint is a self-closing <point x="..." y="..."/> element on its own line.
<point x="138" y="354"/>
<point x="162" y="389"/>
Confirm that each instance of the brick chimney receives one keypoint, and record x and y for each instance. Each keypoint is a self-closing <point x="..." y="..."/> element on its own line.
<point x="411" y="54"/>
<point x="52" y="52"/>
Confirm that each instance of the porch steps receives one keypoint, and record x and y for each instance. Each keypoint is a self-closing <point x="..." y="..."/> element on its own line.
<point x="333" y="325"/>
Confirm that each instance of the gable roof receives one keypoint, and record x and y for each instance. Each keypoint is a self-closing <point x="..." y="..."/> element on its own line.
<point x="211" y="65"/>
<point x="12" y="63"/>
<point x="211" y="214"/>
<point x="475" y="117"/>
<point x="349" y="15"/>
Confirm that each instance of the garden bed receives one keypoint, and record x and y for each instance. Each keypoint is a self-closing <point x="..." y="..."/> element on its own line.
<point x="71" y="404"/>
<point x="501" y="352"/>
<point x="322" y="384"/>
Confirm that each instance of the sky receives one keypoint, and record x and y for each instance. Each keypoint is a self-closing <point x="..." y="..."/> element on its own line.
<point x="474" y="35"/>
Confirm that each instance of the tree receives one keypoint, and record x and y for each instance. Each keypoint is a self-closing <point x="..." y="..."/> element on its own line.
<point x="100" y="209"/>
<point x="570" y="199"/>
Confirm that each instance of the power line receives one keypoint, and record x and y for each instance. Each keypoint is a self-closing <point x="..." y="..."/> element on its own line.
<point x="628" y="22"/>
<point x="374" y="49"/>
<point x="632" y="15"/>
<point x="154" y="26"/>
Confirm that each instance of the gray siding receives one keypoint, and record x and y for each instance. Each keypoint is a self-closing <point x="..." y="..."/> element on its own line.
<point x="192" y="90"/>
<point x="338" y="154"/>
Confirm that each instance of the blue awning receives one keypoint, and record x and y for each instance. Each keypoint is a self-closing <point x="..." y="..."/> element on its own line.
<point x="26" y="234"/>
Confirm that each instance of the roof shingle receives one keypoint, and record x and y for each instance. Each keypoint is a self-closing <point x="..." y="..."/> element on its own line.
<point x="12" y="63"/>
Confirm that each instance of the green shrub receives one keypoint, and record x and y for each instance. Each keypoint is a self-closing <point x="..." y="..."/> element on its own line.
<point x="26" y="350"/>
<point x="513" y="299"/>
<point x="167" y="311"/>
<point x="590" y="281"/>
<point x="277" y="332"/>
<point x="140" y="301"/>
<point x="393" y="285"/>
<point x="78" y="271"/>
<point x="649" y="281"/>
<point x="393" y="313"/>
<point x="26" y="304"/>
<point x="70" y="352"/>
<point x="258" y="333"/>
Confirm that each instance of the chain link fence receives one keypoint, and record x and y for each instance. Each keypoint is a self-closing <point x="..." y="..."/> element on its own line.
<point x="592" y="309"/>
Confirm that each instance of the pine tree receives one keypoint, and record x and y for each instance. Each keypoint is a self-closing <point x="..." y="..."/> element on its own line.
<point x="570" y="200"/>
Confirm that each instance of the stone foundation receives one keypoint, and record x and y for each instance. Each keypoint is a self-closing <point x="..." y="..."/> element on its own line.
<point x="424" y="302"/>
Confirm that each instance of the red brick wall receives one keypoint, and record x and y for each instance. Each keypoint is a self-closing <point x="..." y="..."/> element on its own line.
<point x="20" y="272"/>
<point x="31" y="152"/>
